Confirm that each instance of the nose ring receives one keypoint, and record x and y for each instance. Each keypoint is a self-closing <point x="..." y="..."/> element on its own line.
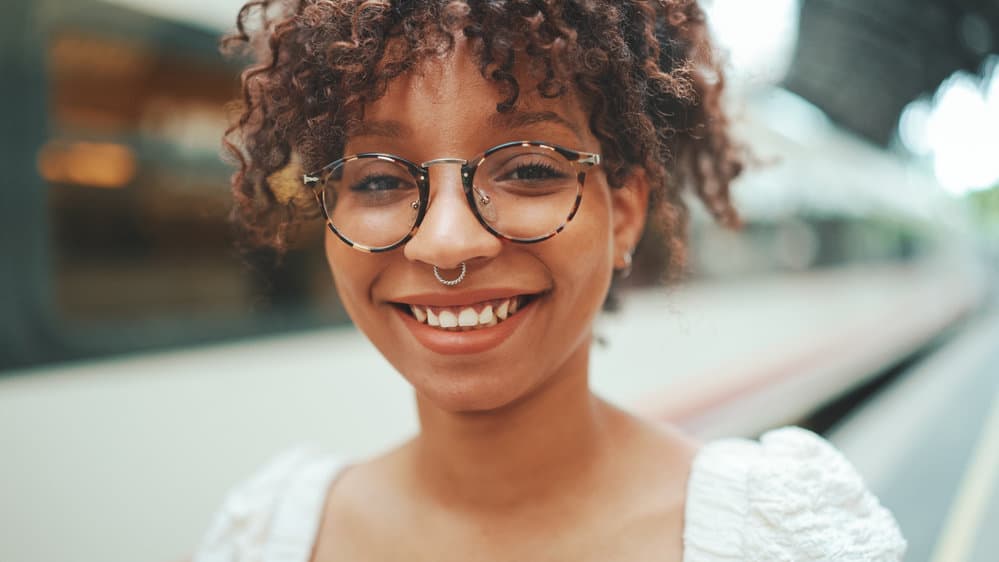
<point x="451" y="282"/>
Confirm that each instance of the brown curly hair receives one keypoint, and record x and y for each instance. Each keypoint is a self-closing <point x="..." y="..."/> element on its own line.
<point x="644" y="69"/>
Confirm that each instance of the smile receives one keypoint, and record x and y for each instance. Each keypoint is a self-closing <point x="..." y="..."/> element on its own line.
<point x="469" y="317"/>
<point x="466" y="324"/>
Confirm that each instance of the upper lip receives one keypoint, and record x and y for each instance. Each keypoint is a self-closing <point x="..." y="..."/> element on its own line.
<point x="461" y="299"/>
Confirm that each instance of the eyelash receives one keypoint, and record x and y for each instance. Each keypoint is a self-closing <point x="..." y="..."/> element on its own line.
<point x="550" y="170"/>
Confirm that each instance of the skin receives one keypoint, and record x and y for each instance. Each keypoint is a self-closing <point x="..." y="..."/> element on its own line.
<point x="516" y="459"/>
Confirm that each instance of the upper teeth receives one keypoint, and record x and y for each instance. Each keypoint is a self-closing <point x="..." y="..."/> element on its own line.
<point x="478" y="315"/>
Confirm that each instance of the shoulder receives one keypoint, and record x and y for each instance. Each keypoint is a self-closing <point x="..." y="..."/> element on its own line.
<point x="274" y="514"/>
<point x="790" y="496"/>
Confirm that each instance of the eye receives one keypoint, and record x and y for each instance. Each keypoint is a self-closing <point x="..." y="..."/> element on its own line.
<point x="378" y="183"/>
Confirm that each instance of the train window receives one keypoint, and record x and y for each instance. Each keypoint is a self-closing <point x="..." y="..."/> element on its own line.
<point x="140" y="251"/>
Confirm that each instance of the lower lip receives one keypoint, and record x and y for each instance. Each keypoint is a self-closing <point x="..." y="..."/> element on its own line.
<point x="464" y="343"/>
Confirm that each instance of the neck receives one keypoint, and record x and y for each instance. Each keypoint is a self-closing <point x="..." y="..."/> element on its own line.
<point x="547" y="444"/>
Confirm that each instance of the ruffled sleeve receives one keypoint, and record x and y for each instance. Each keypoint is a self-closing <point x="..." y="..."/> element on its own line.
<point x="717" y="505"/>
<point x="791" y="497"/>
<point x="274" y="515"/>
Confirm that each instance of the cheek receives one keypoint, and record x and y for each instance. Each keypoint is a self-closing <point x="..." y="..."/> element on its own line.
<point x="333" y="259"/>
<point x="597" y="240"/>
<point x="585" y="259"/>
<point x="350" y="276"/>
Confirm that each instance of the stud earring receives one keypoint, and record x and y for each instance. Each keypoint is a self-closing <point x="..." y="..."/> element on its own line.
<point x="625" y="271"/>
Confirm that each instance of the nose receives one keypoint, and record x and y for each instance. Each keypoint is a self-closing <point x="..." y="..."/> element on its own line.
<point x="450" y="232"/>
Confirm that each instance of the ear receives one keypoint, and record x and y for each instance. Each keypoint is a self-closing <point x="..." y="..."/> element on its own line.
<point x="630" y="206"/>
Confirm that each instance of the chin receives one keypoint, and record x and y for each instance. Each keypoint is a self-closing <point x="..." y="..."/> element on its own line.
<point x="461" y="393"/>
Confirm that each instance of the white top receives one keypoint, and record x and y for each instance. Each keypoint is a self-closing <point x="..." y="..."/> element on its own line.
<point x="789" y="497"/>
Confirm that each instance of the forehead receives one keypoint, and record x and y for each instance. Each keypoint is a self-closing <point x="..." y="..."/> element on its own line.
<point x="449" y="96"/>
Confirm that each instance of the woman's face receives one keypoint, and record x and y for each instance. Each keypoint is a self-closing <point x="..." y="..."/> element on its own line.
<point x="449" y="110"/>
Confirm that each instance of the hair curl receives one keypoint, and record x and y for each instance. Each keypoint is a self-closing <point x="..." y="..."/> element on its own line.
<point x="644" y="69"/>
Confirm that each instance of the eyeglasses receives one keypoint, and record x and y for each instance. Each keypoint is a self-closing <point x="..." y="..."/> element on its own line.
<point x="522" y="191"/>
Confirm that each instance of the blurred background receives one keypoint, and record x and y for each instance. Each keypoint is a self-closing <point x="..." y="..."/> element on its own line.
<point x="147" y="364"/>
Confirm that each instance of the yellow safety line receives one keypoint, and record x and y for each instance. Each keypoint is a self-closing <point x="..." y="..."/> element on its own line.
<point x="971" y="504"/>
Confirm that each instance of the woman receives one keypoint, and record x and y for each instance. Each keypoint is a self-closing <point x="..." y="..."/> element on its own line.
<point x="484" y="167"/>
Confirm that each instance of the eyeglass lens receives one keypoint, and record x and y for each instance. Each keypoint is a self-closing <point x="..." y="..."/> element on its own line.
<point x="521" y="192"/>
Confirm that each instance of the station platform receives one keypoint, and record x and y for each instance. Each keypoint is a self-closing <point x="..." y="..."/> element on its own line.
<point x="928" y="446"/>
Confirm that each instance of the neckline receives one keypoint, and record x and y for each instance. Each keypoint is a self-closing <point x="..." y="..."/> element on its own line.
<point x="311" y="515"/>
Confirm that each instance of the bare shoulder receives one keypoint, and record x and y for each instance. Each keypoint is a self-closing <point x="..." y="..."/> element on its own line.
<point x="361" y="505"/>
<point x="646" y="506"/>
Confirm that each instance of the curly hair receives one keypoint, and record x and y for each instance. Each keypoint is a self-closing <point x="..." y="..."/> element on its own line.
<point x="644" y="69"/>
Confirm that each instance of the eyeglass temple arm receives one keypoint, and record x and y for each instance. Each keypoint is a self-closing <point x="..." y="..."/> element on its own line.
<point x="589" y="158"/>
<point x="309" y="180"/>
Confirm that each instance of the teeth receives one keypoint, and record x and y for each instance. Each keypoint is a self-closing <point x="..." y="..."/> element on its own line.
<point x="419" y="313"/>
<point x="448" y="319"/>
<point x="486" y="316"/>
<point x="468" y="318"/>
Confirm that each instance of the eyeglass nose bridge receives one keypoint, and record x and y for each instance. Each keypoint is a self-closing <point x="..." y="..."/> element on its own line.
<point x="465" y="172"/>
<point x="429" y="163"/>
<point x="466" y="178"/>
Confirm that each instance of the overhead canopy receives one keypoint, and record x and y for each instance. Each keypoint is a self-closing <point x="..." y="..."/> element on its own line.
<point x="862" y="61"/>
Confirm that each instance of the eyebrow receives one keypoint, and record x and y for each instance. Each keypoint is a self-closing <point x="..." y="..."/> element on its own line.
<point x="520" y="119"/>
<point x="513" y="120"/>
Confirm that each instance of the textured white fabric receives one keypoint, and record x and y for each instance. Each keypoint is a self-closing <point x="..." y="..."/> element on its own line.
<point x="789" y="498"/>
<point x="275" y="514"/>
<point x="792" y="497"/>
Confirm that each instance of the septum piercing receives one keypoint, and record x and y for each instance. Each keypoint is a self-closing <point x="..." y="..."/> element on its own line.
<point x="451" y="282"/>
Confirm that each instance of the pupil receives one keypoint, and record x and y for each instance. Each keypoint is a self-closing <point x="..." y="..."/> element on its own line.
<point x="380" y="183"/>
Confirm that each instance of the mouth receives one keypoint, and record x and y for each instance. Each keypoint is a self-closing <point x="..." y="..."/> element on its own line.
<point x="468" y="317"/>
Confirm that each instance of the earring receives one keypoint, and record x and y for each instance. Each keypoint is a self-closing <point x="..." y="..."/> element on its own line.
<point x="625" y="271"/>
